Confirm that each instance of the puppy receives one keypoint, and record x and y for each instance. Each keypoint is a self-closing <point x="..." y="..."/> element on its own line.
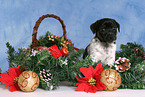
<point x="103" y="47"/>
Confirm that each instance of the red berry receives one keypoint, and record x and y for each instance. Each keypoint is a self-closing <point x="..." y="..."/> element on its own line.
<point x="64" y="51"/>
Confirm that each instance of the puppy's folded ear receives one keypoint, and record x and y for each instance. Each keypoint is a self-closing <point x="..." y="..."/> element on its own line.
<point x="118" y="26"/>
<point x="94" y="27"/>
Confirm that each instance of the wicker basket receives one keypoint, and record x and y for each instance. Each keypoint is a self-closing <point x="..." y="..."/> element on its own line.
<point x="56" y="60"/>
<point x="35" y="29"/>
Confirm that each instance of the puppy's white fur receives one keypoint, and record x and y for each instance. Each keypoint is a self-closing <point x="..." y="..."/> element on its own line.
<point x="102" y="51"/>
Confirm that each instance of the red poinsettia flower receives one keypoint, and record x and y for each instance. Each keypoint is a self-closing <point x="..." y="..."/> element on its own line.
<point x="10" y="78"/>
<point x="91" y="81"/>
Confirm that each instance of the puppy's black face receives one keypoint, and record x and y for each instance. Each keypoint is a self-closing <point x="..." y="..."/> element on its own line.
<point x="105" y="29"/>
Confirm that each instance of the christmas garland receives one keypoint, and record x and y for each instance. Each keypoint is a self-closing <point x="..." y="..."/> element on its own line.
<point x="52" y="59"/>
<point x="51" y="70"/>
<point x="133" y="76"/>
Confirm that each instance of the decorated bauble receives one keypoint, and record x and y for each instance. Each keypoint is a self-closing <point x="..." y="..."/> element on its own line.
<point x="111" y="79"/>
<point x="28" y="81"/>
<point x="64" y="51"/>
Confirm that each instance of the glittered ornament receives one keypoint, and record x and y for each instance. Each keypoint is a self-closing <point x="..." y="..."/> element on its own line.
<point x="111" y="79"/>
<point x="28" y="81"/>
<point x="64" y="51"/>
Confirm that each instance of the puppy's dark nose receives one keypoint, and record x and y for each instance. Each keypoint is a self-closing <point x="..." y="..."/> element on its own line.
<point x="110" y="37"/>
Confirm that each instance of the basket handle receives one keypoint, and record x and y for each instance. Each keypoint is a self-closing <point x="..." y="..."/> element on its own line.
<point x="35" y="29"/>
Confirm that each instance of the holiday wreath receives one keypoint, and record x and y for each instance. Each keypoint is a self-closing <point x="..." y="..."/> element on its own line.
<point x="52" y="59"/>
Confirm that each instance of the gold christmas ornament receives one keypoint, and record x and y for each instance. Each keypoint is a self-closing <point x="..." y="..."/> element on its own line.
<point x="28" y="81"/>
<point x="111" y="79"/>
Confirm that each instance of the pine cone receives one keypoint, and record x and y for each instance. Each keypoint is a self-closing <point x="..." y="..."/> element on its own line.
<point x="122" y="64"/>
<point x="139" y="53"/>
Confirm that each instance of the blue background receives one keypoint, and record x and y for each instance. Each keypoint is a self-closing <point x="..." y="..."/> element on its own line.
<point x="17" y="18"/>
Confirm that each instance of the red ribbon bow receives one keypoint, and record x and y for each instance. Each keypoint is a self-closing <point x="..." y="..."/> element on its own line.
<point x="53" y="49"/>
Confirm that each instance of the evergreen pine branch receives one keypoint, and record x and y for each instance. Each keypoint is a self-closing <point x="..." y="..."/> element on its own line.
<point x="10" y="52"/>
<point x="134" y="77"/>
<point x="67" y="68"/>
